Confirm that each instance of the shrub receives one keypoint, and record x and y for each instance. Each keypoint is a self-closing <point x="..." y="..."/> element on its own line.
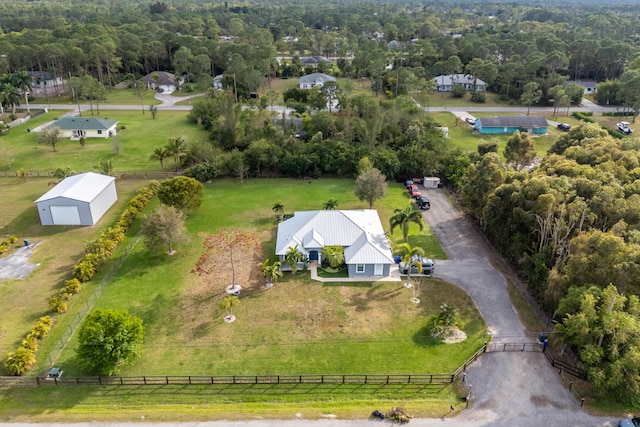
<point x="58" y="304"/>
<point x="203" y="172"/>
<point x="20" y="361"/>
<point x="478" y="97"/>
<point x="458" y="91"/>
<point x="72" y="286"/>
<point x="42" y="328"/>
<point x="30" y="342"/>
<point x="13" y="117"/>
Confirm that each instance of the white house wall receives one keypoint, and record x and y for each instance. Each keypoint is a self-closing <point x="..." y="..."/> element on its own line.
<point x="44" y="209"/>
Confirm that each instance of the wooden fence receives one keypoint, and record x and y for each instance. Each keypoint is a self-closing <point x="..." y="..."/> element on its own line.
<point x="502" y="347"/>
<point x="363" y="379"/>
<point x="565" y="367"/>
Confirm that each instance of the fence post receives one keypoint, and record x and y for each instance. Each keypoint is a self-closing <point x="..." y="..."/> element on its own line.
<point x="581" y="402"/>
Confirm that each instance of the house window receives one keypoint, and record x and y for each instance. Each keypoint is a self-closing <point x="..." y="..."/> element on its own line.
<point x="99" y="131"/>
<point x="359" y="268"/>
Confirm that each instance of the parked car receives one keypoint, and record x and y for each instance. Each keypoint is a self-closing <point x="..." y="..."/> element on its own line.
<point x="629" y="422"/>
<point x="408" y="183"/>
<point x="423" y="203"/>
<point x="565" y="127"/>
<point x="470" y="120"/>
<point x="427" y="266"/>
<point x="624" y="128"/>
<point x="414" y="191"/>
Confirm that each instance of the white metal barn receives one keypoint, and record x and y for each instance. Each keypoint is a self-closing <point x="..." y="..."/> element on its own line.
<point x="78" y="200"/>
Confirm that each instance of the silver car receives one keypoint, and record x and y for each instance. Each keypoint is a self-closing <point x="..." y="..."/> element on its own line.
<point x="427" y="266"/>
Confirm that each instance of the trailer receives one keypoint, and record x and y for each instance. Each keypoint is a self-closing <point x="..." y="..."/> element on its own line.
<point x="431" y="182"/>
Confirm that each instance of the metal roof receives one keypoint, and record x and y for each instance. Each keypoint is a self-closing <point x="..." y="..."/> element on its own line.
<point x="360" y="232"/>
<point x="451" y="79"/>
<point x="83" y="187"/>
<point x="512" y="121"/>
<point x="313" y="78"/>
<point x="81" y="123"/>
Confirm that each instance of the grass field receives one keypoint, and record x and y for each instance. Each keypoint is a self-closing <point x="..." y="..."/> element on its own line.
<point x="136" y="143"/>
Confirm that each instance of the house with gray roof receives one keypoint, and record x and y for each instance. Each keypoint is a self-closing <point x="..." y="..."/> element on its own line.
<point x="313" y="61"/>
<point x="316" y="79"/>
<point x="445" y="83"/>
<point x="78" y="200"/>
<point x="161" y="80"/>
<point x="40" y="80"/>
<point x="366" y="248"/>
<point x="501" y="125"/>
<point x="81" y="127"/>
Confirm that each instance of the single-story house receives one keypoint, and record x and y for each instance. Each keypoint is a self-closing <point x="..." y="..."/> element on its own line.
<point x="79" y="127"/>
<point x="588" y="85"/>
<point x="445" y="83"/>
<point x="316" y="79"/>
<point x="536" y="125"/>
<point x="78" y="200"/>
<point x="366" y="248"/>
<point x="44" y="79"/>
<point x="161" y="80"/>
<point x="313" y="61"/>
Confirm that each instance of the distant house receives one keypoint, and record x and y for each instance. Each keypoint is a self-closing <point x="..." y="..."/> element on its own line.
<point x="41" y="80"/>
<point x="536" y="125"/>
<point x="366" y="248"/>
<point x="161" y="80"/>
<point x="445" y="83"/>
<point x="80" y="127"/>
<point x="588" y="85"/>
<point x="316" y="79"/>
<point x="78" y="200"/>
<point x="217" y="82"/>
<point x="313" y="61"/>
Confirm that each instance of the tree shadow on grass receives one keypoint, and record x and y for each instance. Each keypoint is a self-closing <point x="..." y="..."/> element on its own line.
<point x="423" y="338"/>
<point x="378" y="292"/>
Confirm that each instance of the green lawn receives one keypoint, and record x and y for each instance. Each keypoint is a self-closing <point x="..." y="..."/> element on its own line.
<point x="136" y="143"/>
<point x="114" y="97"/>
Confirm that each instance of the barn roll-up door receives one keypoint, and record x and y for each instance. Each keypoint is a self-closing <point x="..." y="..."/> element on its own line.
<point x="65" y="215"/>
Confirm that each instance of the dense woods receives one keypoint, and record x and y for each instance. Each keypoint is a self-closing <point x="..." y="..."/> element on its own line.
<point x="571" y="225"/>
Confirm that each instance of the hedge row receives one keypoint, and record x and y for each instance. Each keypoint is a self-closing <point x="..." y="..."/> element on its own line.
<point x="586" y="116"/>
<point x="619" y="114"/>
<point x="97" y="252"/>
<point x="22" y="360"/>
<point x="4" y="245"/>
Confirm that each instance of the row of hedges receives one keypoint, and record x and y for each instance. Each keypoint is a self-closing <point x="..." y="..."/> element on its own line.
<point x="4" y="245"/>
<point x="22" y="360"/>
<point x="619" y="114"/>
<point x="97" y="252"/>
<point x="586" y="116"/>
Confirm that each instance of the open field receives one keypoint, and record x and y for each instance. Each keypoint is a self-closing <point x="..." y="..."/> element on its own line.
<point x="114" y="97"/>
<point x="136" y="143"/>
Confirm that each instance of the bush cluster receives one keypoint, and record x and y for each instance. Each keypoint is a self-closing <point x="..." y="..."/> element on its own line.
<point x="619" y="114"/>
<point x="24" y="357"/>
<point x="4" y="245"/>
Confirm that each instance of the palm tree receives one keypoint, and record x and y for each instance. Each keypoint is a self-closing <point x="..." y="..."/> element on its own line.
<point x="271" y="272"/>
<point x="447" y="318"/>
<point x="278" y="208"/>
<point x="9" y="96"/>
<point x="177" y="148"/>
<point x="408" y="255"/>
<point x="330" y="204"/>
<point x="22" y="81"/>
<point x="159" y="154"/>
<point x="227" y="304"/>
<point x="293" y="257"/>
<point x="334" y="255"/>
<point x="403" y="218"/>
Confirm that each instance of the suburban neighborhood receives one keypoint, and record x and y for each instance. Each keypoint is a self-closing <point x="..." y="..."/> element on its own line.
<point x="319" y="214"/>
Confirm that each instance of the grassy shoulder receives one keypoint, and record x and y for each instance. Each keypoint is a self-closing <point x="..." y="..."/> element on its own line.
<point x="206" y="403"/>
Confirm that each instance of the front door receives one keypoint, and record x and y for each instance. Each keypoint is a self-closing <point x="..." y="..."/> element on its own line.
<point x="313" y="255"/>
<point x="378" y="269"/>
